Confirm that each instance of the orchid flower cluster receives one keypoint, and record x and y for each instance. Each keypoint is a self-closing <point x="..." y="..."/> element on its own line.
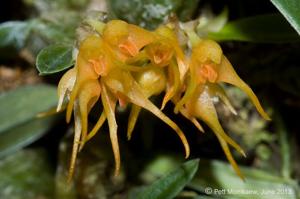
<point x="123" y="64"/>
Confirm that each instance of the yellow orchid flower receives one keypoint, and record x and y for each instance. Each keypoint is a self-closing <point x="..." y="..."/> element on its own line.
<point x="166" y="51"/>
<point x="99" y="74"/>
<point x="127" y="39"/>
<point x="208" y="67"/>
<point x="124" y="64"/>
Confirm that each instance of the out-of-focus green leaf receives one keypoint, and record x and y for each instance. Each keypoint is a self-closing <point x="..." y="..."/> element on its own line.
<point x="18" y="109"/>
<point x="144" y="13"/>
<point x="43" y="6"/>
<point x="23" y="135"/>
<point x="218" y="179"/>
<point x="262" y="28"/>
<point x="187" y="9"/>
<point x="51" y="32"/>
<point x="54" y="26"/>
<point x="26" y="174"/>
<point x="158" y="167"/>
<point x="285" y="147"/>
<point x="290" y="10"/>
<point x="54" y="58"/>
<point x="23" y="104"/>
<point x="14" y="34"/>
<point x="151" y="13"/>
<point x="169" y="186"/>
<point x="51" y="28"/>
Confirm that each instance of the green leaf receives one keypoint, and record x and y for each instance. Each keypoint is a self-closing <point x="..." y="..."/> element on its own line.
<point x="23" y="135"/>
<point x="14" y="34"/>
<point x="290" y="10"/>
<point x="217" y="179"/>
<point x="54" y="58"/>
<point x="169" y="186"/>
<point x="26" y="174"/>
<point x="263" y="28"/>
<point x="23" y="104"/>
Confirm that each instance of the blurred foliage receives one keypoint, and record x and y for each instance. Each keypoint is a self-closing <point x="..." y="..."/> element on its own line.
<point x="151" y="13"/>
<point x="272" y="162"/>
<point x="14" y="33"/>
<point x="23" y="104"/>
<point x="19" y="125"/>
<point x="27" y="175"/>
<point x="261" y="28"/>
<point x="20" y="136"/>
<point x="216" y="175"/>
<point x="53" y="22"/>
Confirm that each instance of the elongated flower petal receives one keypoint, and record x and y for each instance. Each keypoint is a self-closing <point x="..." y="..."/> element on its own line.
<point x="137" y="98"/>
<point x="65" y="87"/>
<point x="76" y="141"/>
<point x="88" y="96"/>
<point x="173" y="83"/>
<point x="109" y="107"/>
<point x="97" y="126"/>
<point x="203" y="108"/>
<point x="228" y="154"/>
<point x="227" y="74"/>
<point x="134" y="113"/>
<point x="186" y="114"/>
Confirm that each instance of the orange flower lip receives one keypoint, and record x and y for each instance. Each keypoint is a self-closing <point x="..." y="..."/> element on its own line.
<point x="99" y="65"/>
<point x="128" y="47"/>
<point x="207" y="72"/>
<point x="160" y="53"/>
<point x="158" y="58"/>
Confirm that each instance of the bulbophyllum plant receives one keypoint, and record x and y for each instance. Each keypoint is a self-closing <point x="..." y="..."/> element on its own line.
<point x="123" y="64"/>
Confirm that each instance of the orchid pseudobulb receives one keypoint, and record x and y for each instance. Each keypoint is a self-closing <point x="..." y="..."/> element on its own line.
<point x="123" y="64"/>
